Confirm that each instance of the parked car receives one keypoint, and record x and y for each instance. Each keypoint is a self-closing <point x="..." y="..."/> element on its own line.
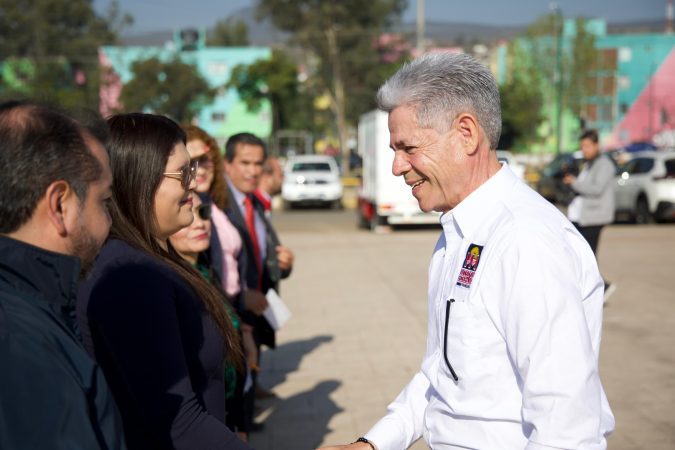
<point x="550" y="184"/>
<point x="311" y="179"/>
<point x="645" y="187"/>
<point x="507" y="157"/>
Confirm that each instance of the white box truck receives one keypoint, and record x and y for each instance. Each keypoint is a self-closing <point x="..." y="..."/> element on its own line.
<point x="384" y="199"/>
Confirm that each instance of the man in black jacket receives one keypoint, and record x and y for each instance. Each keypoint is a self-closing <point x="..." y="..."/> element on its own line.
<point x="53" y="220"/>
<point x="263" y="261"/>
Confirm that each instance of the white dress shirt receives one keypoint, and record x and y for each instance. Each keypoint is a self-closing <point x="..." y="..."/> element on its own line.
<point x="522" y="333"/>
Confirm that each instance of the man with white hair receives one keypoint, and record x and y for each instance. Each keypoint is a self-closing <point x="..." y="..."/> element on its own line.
<point x="515" y="296"/>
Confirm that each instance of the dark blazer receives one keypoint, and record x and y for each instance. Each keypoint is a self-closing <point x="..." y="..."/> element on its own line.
<point x="52" y="393"/>
<point x="248" y="271"/>
<point x="161" y="352"/>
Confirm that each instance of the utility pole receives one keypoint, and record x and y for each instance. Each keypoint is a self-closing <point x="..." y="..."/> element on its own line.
<point x="559" y="25"/>
<point x="421" y="22"/>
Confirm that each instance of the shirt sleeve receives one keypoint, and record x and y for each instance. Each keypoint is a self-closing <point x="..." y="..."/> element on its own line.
<point x="596" y="183"/>
<point x="133" y="312"/>
<point x="541" y="315"/>
<point x="403" y="423"/>
<point x="43" y="405"/>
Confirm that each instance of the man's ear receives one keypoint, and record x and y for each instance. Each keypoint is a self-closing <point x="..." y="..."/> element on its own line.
<point x="60" y="198"/>
<point x="467" y="126"/>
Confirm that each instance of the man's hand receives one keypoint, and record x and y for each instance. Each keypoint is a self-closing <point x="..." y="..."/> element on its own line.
<point x="354" y="446"/>
<point x="569" y="179"/>
<point x="248" y="343"/>
<point x="255" y="301"/>
<point x="285" y="257"/>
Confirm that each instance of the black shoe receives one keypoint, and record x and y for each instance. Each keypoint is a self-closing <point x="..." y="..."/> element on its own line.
<point x="257" y="427"/>
<point x="261" y="393"/>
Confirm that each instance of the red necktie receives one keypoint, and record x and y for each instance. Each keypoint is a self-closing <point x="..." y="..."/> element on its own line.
<point x="250" y="224"/>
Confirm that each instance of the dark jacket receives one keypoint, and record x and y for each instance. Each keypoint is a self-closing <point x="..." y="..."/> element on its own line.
<point x="161" y="352"/>
<point x="52" y="394"/>
<point x="248" y="271"/>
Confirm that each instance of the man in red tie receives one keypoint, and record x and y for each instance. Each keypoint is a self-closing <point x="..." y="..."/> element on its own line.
<point x="263" y="261"/>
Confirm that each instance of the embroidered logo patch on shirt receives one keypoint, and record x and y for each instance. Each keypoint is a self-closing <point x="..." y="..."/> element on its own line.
<point x="469" y="266"/>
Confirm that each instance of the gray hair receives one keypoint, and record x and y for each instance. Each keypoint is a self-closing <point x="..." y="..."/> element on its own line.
<point x="442" y="85"/>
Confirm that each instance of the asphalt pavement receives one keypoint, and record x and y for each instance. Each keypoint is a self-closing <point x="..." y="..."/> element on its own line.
<point x="358" y="331"/>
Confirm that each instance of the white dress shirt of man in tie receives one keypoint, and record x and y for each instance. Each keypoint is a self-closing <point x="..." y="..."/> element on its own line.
<point x="512" y="352"/>
<point x="244" y="172"/>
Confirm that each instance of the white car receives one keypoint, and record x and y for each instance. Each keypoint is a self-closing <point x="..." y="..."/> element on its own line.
<point x="645" y="187"/>
<point x="507" y="157"/>
<point x="311" y="179"/>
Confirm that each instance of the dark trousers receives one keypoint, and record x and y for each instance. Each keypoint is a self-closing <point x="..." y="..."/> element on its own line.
<point x="591" y="234"/>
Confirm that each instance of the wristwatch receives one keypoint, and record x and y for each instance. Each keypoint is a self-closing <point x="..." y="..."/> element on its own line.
<point x="362" y="439"/>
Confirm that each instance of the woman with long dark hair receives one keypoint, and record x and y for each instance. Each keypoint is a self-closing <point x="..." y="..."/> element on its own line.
<point x="159" y="330"/>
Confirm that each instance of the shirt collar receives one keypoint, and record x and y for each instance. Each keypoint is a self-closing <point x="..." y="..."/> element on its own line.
<point x="477" y="208"/>
<point x="238" y="195"/>
<point x="53" y="277"/>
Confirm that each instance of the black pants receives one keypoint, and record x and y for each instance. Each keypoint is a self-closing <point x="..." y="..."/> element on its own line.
<point x="591" y="234"/>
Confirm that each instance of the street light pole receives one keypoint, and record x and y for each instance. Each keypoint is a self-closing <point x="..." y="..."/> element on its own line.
<point x="420" y="26"/>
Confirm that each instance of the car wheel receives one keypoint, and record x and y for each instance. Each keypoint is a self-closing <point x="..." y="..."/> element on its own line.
<point x="336" y="204"/>
<point x="288" y="205"/>
<point x="642" y="214"/>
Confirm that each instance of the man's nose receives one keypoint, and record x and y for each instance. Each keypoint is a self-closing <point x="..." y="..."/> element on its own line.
<point x="400" y="165"/>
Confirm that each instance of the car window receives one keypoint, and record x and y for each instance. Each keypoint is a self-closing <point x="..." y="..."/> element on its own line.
<point x="670" y="167"/>
<point x="311" y="167"/>
<point x="643" y="165"/>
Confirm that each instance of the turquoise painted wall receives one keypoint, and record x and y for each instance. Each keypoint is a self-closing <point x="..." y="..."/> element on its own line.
<point x="227" y="115"/>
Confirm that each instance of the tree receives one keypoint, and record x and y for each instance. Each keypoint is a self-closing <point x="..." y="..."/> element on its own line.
<point x="60" y="40"/>
<point x="566" y="74"/>
<point x="522" y="101"/>
<point x="276" y="80"/>
<point x="340" y="35"/>
<point x="227" y="33"/>
<point x="173" y="88"/>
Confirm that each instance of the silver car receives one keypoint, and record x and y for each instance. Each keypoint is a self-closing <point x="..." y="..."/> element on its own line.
<point x="645" y="187"/>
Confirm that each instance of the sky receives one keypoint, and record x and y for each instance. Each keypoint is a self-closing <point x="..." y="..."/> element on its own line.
<point x="162" y="15"/>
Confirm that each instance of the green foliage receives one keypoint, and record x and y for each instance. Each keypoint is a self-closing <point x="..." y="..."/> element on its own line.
<point x="355" y="26"/>
<point x="522" y="101"/>
<point x="173" y="88"/>
<point x="60" y="39"/>
<point x="576" y="59"/>
<point x="276" y="80"/>
<point x="338" y="38"/>
<point x="228" y="34"/>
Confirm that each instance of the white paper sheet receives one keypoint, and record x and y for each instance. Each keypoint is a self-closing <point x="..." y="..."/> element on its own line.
<point x="277" y="313"/>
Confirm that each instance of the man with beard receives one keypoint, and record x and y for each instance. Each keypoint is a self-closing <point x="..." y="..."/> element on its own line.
<point x="53" y="220"/>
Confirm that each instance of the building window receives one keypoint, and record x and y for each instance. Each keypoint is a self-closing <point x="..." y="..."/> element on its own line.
<point x="625" y="54"/>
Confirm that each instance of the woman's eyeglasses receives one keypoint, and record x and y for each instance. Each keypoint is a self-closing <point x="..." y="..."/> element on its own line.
<point x="204" y="212"/>
<point x="186" y="174"/>
<point x="205" y="161"/>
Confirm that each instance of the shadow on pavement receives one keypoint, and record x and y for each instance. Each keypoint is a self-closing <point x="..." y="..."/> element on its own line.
<point x="278" y="363"/>
<point x="300" y="421"/>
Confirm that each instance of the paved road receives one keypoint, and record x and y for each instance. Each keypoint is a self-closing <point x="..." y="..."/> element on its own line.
<point x="359" y="326"/>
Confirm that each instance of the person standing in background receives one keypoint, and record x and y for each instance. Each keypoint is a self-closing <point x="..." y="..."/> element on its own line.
<point x="593" y="205"/>
<point x="271" y="179"/>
